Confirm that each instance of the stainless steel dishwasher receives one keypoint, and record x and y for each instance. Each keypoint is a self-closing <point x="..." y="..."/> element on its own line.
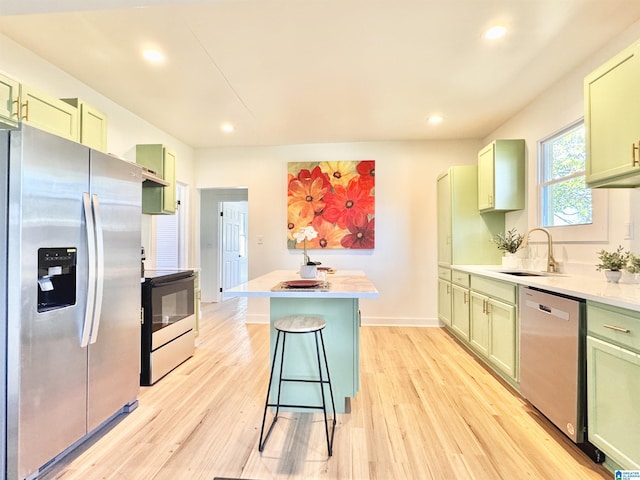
<point x="552" y="363"/>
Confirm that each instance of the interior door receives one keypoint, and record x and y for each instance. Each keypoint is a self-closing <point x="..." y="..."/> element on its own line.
<point x="234" y="244"/>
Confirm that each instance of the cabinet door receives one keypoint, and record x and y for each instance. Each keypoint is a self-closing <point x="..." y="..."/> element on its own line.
<point x="612" y="121"/>
<point x="444" y="301"/>
<point x="93" y="127"/>
<point x="9" y="93"/>
<point x="486" y="177"/>
<point x="613" y="390"/>
<point x="48" y="113"/>
<point x="161" y="160"/>
<point x="503" y="336"/>
<point x="444" y="220"/>
<point x="460" y="311"/>
<point x="169" y="197"/>
<point x="479" y="327"/>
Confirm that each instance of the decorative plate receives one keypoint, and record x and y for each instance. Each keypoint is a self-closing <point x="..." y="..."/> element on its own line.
<point x="301" y="283"/>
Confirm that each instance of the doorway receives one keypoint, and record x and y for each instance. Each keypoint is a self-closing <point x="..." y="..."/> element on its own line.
<point x="223" y="240"/>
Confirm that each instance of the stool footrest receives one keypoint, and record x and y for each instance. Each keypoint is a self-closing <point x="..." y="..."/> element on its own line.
<point x="288" y="405"/>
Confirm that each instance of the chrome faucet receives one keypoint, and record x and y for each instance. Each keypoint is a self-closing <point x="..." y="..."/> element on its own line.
<point x="552" y="265"/>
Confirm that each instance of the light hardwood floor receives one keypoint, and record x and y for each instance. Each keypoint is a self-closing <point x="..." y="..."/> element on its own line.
<point x="426" y="410"/>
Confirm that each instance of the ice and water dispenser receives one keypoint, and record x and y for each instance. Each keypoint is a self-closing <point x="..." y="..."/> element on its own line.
<point x="56" y="278"/>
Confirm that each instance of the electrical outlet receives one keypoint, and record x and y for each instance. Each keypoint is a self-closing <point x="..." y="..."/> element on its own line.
<point x="260" y="239"/>
<point x="628" y="231"/>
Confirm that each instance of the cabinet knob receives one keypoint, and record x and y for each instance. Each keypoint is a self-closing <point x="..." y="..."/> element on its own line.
<point x="635" y="148"/>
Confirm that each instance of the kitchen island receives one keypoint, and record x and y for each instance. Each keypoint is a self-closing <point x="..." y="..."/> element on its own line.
<point x="337" y="301"/>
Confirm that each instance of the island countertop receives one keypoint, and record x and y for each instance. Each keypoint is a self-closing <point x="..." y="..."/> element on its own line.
<point x="341" y="284"/>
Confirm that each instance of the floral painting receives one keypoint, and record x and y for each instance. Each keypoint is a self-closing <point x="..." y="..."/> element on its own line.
<point x="337" y="199"/>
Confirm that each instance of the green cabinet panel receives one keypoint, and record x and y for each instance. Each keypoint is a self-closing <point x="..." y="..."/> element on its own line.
<point x="612" y="121"/>
<point x="479" y="324"/>
<point x="9" y="101"/>
<point x="613" y="390"/>
<point x="158" y="200"/>
<point x="460" y="311"/>
<point x="342" y="343"/>
<point x="493" y="331"/>
<point x="464" y="235"/>
<point x="613" y="382"/>
<point x="503" y="338"/>
<point x="48" y="113"/>
<point x="501" y="166"/>
<point x="92" y="125"/>
<point x="444" y="301"/>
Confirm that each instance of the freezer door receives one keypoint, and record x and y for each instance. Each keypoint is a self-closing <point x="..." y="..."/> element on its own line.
<point x="114" y="354"/>
<point x="47" y="368"/>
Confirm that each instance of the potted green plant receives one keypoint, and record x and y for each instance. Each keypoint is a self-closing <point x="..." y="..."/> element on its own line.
<point x="510" y="242"/>
<point x="633" y="266"/>
<point x="613" y="263"/>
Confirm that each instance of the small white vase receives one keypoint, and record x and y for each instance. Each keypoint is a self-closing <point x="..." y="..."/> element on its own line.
<point x="308" y="271"/>
<point x="613" y="276"/>
<point x="509" y="260"/>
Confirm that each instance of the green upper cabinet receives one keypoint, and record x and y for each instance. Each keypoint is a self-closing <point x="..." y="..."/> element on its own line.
<point x="92" y="127"/>
<point x="158" y="200"/>
<point x="501" y="176"/>
<point x="45" y="112"/>
<point x="612" y="121"/>
<point x="464" y="234"/>
<point x="9" y="101"/>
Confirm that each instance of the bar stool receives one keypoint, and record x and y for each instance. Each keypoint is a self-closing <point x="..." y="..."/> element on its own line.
<point x="299" y="324"/>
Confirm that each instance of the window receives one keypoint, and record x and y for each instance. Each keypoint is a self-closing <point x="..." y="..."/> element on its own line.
<point x="564" y="198"/>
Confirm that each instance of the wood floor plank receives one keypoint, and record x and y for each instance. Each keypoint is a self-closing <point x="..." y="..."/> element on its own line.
<point x="427" y="409"/>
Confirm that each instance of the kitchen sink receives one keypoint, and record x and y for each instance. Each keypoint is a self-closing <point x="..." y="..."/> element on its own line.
<point x="522" y="273"/>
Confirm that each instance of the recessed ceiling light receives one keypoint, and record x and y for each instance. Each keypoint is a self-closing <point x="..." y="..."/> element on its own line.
<point x="227" y="128"/>
<point x="435" y="119"/>
<point x="495" y="32"/>
<point x="153" y="56"/>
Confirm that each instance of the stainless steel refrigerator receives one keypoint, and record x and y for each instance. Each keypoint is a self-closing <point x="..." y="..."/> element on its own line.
<point x="70" y="295"/>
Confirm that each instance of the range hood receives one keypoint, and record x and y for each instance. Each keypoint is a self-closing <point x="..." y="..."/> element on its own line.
<point x="152" y="179"/>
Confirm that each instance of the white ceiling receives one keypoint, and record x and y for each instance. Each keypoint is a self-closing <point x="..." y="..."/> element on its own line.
<point x="310" y="71"/>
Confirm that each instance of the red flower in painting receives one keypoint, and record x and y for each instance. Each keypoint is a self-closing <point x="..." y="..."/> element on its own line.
<point x="348" y="205"/>
<point x="304" y="175"/>
<point x="367" y="171"/>
<point x="361" y="235"/>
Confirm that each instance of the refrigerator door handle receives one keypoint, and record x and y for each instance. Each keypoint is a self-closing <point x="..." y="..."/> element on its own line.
<point x="99" y="261"/>
<point x="91" y="279"/>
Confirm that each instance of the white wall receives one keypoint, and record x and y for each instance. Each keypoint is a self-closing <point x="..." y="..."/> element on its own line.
<point x="125" y="129"/>
<point x="403" y="264"/>
<point x="556" y="108"/>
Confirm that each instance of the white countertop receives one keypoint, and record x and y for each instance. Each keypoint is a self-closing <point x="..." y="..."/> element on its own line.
<point x="341" y="284"/>
<point x="625" y="295"/>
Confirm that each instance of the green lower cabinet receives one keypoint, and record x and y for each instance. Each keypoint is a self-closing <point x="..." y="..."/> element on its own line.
<point x="613" y="395"/>
<point x="460" y="311"/>
<point x="503" y="337"/>
<point x="493" y="330"/>
<point x="444" y="301"/>
<point x="479" y="328"/>
<point x="342" y="343"/>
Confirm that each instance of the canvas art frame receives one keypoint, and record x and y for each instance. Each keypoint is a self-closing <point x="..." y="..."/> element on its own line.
<point x="336" y="199"/>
